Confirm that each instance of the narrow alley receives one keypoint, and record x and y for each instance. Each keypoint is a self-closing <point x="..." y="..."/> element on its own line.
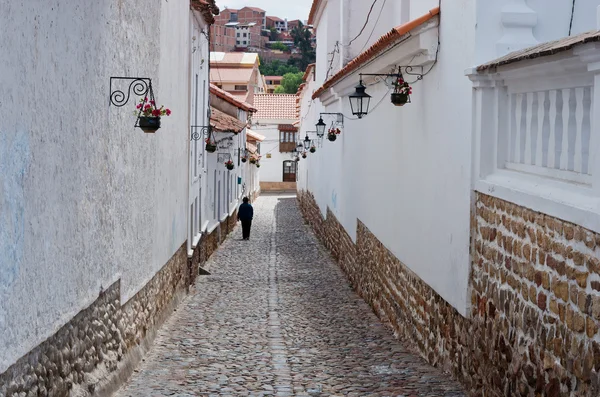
<point x="277" y="317"/>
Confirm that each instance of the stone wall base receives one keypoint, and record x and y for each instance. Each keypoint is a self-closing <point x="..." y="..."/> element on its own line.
<point x="533" y="326"/>
<point x="99" y="348"/>
<point x="274" y="187"/>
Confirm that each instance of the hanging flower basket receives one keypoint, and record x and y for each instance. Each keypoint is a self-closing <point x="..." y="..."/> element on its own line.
<point x="333" y="133"/>
<point x="252" y="161"/>
<point x="244" y="159"/>
<point x="401" y="94"/>
<point x="257" y="165"/>
<point x="149" y="116"/>
<point x="399" y="99"/>
<point x="313" y="149"/>
<point x="304" y="155"/>
<point x="211" y="147"/>
<point x="229" y="165"/>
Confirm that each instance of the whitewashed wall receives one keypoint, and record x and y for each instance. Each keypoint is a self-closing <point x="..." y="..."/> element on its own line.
<point x="271" y="169"/>
<point x="404" y="172"/>
<point x="85" y="198"/>
<point x="551" y="22"/>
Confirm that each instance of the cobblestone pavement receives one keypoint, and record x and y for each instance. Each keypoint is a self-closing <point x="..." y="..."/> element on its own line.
<point x="277" y="318"/>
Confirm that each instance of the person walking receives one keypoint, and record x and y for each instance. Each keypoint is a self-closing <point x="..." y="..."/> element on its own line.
<point x="245" y="214"/>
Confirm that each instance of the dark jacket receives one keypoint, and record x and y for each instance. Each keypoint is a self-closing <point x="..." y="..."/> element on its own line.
<point x="245" y="212"/>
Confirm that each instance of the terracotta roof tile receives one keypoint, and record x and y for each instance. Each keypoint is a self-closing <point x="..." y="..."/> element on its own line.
<point x="309" y="68"/>
<point x="273" y="18"/>
<point x="313" y="11"/>
<point x="207" y="8"/>
<point x="544" y="49"/>
<point x="287" y="128"/>
<point x="231" y="99"/>
<point x="254" y="136"/>
<point x="251" y="147"/>
<point x="223" y="122"/>
<point x="275" y="106"/>
<point x="384" y="42"/>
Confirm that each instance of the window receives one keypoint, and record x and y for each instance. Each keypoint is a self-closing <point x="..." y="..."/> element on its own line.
<point x="287" y="141"/>
<point x="238" y="35"/>
<point x="237" y="42"/>
<point x="241" y="88"/>
<point x="245" y="42"/>
<point x="276" y="82"/>
<point x="245" y="34"/>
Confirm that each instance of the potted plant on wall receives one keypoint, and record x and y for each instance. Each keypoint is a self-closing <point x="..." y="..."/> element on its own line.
<point x="304" y="155"/>
<point x="402" y="91"/>
<point x="253" y="159"/>
<point x="332" y="133"/>
<point x="211" y="145"/>
<point x="229" y="165"/>
<point x="313" y="149"/>
<point x="149" y="115"/>
<point x="244" y="158"/>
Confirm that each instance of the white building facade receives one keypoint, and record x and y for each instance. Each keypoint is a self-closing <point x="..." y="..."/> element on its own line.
<point x="393" y="196"/>
<point x="275" y="119"/>
<point x="100" y="221"/>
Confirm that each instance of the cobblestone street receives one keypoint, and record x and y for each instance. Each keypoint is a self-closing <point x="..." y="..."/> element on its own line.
<point x="277" y="317"/>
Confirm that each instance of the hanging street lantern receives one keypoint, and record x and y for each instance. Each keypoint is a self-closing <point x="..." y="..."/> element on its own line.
<point x="359" y="101"/>
<point x="307" y="142"/>
<point x="321" y="127"/>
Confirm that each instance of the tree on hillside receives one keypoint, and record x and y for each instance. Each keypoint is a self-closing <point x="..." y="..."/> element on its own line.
<point x="302" y="41"/>
<point x="274" y="34"/>
<point x="290" y="83"/>
<point x="276" y="68"/>
<point x="278" y="45"/>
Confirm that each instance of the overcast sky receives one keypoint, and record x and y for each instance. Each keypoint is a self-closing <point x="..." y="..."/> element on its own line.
<point x="290" y="9"/>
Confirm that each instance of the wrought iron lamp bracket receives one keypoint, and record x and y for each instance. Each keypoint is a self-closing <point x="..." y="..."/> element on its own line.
<point x="339" y="117"/>
<point x="139" y="86"/>
<point x="198" y="131"/>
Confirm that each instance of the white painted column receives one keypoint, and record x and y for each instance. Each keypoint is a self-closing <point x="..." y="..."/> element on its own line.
<point x="518" y="21"/>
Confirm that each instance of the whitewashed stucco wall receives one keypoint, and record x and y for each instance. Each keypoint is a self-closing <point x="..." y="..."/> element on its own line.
<point x="271" y="169"/>
<point x="405" y="172"/>
<point x="552" y="23"/>
<point x="85" y="198"/>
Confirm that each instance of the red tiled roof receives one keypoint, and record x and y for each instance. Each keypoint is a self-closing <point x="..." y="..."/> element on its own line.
<point x="223" y="122"/>
<point x="287" y="128"/>
<point x="231" y="99"/>
<point x="273" y="77"/>
<point x="384" y="42"/>
<point x="251" y="147"/>
<point x="207" y="8"/>
<point x="544" y="49"/>
<point x="272" y="18"/>
<point x="275" y="106"/>
<point x="254" y="136"/>
<point x="313" y="11"/>
<point x="308" y="70"/>
<point x="255" y="9"/>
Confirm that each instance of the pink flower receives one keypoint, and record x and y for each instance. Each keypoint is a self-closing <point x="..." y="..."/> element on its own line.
<point x="139" y="106"/>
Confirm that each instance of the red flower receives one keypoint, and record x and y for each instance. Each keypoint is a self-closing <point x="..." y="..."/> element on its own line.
<point x="156" y="112"/>
<point x="139" y="106"/>
<point x="168" y="112"/>
<point x="152" y="102"/>
<point x="147" y="107"/>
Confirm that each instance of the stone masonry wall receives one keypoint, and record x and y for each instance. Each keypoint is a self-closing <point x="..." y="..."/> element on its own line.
<point x="533" y="327"/>
<point x="100" y="346"/>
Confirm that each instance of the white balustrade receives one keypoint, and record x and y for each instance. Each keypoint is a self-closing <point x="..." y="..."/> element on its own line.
<point x="548" y="133"/>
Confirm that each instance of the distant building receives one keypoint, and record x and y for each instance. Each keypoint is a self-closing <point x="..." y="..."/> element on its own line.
<point x="237" y="73"/>
<point x="272" y="82"/>
<point x="277" y="23"/>
<point x="275" y="119"/>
